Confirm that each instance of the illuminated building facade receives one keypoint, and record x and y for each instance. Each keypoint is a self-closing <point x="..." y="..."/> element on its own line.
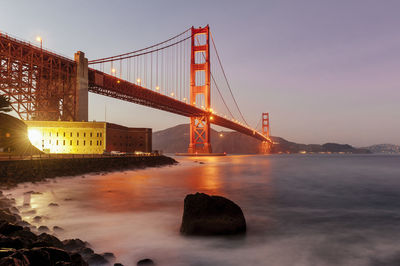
<point x="87" y="137"/>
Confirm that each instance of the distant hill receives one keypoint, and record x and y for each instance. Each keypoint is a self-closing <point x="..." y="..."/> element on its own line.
<point x="176" y="139"/>
<point x="384" y="148"/>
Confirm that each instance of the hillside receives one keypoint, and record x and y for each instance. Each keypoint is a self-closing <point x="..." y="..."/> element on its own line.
<point x="384" y="148"/>
<point x="176" y="139"/>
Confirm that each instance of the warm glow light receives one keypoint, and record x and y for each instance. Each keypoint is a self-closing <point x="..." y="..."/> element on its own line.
<point x="138" y="80"/>
<point x="38" y="38"/>
<point x="34" y="137"/>
<point x="172" y="94"/>
<point x="118" y="81"/>
<point x="113" y="70"/>
<point x="221" y="135"/>
<point x="211" y="117"/>
<point x="184" y="99"/>
<point x="157" y="88"/>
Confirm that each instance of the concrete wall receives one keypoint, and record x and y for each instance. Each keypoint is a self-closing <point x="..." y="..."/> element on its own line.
<point x="82" y="84"/>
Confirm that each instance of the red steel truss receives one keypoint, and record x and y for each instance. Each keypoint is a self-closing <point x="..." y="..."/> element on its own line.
<point x="39" y="84"/>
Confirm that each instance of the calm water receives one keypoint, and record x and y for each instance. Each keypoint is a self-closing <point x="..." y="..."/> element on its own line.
<point x="300" y="210"/>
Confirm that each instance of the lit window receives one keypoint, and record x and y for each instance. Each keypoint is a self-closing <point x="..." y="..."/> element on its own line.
<point x="70" y="142"/>
<point x="101" y="134"/>
<point x="57" y="134"/>
<point x="97" y="143"/>
<point x="64" y="134"/>
<point x="90" y="143"/>
<point x="84" y="142"/>
<point x="77" y="134"/>
<point x="64" y="142"/>
<point x="77" y="142"/>
<point x="84" y="134"/>
<point x="91" y="134"/>
<point x="97" y="134"/>
<point x="100" y="142"/>
<point x="57" y="142"/>
<point x="70" y="134"/>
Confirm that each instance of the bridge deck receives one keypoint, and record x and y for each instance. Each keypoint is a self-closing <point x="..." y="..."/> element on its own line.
<point x="108" y="85"/>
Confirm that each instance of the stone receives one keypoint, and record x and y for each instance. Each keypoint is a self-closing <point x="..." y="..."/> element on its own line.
<point x="74" y="245"/>
<point x="108" y="256"/>
<point x="46" y="240"/>
<point x="10" y="242"/>
<point x="43" y="228"/>
<point x="57" y="229"/>
<point x="77" y="260"/>
<point x="7" y="216"/>
<point x="9" y="228"/>
<point x="57" y="254"/>
<point x="97" y="259"/>
<point x="53" y="204"/>
<point x="211" y="215"/>
<point x="145" y="262"/>
<point x="37" y="218"/>
<point x="37" y="256"/>
<point x="26" y="236"/>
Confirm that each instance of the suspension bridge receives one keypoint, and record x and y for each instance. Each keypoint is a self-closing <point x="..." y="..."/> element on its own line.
<point x="175" y="75"/>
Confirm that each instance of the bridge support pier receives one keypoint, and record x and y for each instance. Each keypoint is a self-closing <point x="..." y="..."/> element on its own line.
<point x="265" y="147"/>
<point x="200" y="125"/>
<point x="82" y="85"/>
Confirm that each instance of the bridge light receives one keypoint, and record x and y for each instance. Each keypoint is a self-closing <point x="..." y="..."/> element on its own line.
<point x="194" y="102"/>
<point x="39" y="39"/>
<point x="118" y="81"/>
<point x="184" y="99"/>
<point x="172" y="94"/>
<point x="138" y="81"/>
<point x="157" y="88"/>
<point x="211" y="117"/>
<point x="221" y="135"/>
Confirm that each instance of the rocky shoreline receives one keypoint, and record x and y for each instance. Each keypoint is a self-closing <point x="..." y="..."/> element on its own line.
<point x="24" y="244"/>
<point x="13" y="172"/>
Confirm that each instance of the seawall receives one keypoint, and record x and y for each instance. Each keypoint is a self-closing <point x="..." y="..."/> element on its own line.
<point x="13" y="172"/>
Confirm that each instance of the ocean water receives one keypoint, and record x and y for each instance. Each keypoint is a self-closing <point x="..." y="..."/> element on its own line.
<point x="300" y="210"/>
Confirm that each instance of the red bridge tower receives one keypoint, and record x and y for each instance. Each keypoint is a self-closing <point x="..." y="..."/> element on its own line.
<point x="200" y="85"/>
<point x="265" y="146"/>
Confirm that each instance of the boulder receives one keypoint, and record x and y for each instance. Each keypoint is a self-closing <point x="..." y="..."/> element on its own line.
<point x="97" y="259"/>
<point x="9" y="228"/>
<point x="74" y="245"/>
<point x="145" y="262"/>
<point x="77" y="260"/>
<point x="211" y="215"/>
<point x="7" y="216"/>
<point x="43" y="228"/>
<point x="46" y="240"/>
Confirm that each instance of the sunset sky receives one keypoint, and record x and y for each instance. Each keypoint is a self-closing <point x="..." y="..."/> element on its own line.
<point x="327" y="71"/>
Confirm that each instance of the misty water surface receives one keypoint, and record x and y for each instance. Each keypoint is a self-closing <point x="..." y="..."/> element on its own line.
<point x="300" y="210"/>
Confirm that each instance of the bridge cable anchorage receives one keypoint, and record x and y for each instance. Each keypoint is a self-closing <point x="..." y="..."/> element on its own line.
<point x="140" y="50"/>
<point x="226" y="79"/>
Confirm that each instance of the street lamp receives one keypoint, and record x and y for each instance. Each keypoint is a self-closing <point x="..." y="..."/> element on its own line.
<point x="39" y="39"/>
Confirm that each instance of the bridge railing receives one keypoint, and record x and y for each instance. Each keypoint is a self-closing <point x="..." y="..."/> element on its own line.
<point x="32" y="45"/>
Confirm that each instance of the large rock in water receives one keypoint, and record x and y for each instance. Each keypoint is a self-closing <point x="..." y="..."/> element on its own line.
<point x="211" y="215"/>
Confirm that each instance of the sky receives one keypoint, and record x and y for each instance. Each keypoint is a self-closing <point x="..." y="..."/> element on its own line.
<point x="326" y="71"/>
